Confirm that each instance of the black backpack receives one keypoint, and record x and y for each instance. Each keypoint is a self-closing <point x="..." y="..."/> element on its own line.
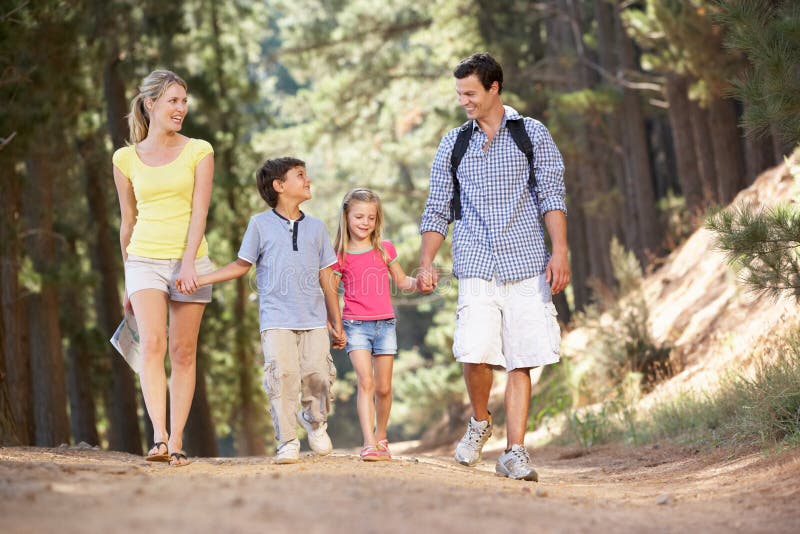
<point x="516" y="128"/>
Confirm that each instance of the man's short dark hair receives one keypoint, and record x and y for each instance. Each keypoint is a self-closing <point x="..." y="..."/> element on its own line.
<point x="274" y="169"/>
<point x="485" y="67"/>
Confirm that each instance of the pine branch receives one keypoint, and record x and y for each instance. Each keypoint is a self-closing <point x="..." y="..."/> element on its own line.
<point x="764" y="245"/>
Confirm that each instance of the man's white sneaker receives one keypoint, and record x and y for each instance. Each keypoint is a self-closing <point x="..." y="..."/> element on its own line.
<point x="318" y="438"/>
<point x="516" y="464"/>
<point x="468" y="450"/>
<point x="288" y="452"/>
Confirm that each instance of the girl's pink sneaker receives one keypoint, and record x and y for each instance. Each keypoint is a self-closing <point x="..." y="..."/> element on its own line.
<point x="383" y="447"/>
<point x="370" y="453"/>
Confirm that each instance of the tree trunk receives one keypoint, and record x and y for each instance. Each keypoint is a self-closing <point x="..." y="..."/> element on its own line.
<point x="51" y="425"/>
<point x="758" y="156"/>
<point x="249" y="442"/>
<point x="125" y="434"/>
<point x="683" y="140"/>
<point x="114" y="92"/>
<point x="201" y="439"/>
<point x="704" y="153"/>
<point x="8" y="427"/>
<point x="664" y="165"/>
<point x="780" y="147"/>
<point x="79" y="363"/>
<point x="621" y="218"/>
<point x="637" y="157"/>
<point x="592" y="164"/>
<point x="576" y="237"/>
<point x="725" y="137"/>
<point x="16" y="372"/>
<point x="9" y="435"/>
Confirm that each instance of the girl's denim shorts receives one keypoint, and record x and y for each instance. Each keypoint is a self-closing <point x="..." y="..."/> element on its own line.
<point x="378" y="337"/>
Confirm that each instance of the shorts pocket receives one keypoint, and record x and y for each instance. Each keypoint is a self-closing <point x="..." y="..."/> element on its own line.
<point x="331" y="376"/>
<point x="553" y="329"/>
<point x="272" y="380"/>
<point x="460" y="342"/>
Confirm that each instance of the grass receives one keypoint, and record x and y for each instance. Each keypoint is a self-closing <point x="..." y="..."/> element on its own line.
<point x="762" y="410"/>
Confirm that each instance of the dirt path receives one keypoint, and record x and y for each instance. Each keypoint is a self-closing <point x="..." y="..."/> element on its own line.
<point x="69" y="490"/>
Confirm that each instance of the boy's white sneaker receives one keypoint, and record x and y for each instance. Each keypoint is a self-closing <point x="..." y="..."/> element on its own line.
<point x="318" y="438"/>
<point x="516" y="464"/>
<point x="468" y="450"/>
<point x="288" y="452"/>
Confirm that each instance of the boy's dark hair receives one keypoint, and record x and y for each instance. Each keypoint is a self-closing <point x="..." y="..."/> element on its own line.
<point x="274" y="169"/>
<point x="485" y="67"/>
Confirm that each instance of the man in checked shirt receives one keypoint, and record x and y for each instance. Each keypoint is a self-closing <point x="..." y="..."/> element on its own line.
<point x="506" y="276"/>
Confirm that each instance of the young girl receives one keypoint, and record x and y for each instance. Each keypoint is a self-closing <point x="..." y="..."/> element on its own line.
<point x="365" y="263"/>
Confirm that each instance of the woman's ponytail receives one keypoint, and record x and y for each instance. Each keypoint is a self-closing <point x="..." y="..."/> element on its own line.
<point x="138" y="119"/>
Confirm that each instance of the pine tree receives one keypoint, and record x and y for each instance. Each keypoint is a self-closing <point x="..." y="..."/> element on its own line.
<point x="764" y="244"/>
<point x="769" y="35"/>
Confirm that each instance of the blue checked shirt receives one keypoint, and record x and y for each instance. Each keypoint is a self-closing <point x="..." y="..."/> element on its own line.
<point x="500" y="233"/>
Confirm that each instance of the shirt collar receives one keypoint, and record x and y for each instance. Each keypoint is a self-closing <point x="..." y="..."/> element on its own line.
<point x="509" y="114"/>
<point x="302" y="216"/>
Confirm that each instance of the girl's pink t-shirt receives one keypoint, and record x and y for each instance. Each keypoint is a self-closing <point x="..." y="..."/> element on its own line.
<point x="367" y="291"/>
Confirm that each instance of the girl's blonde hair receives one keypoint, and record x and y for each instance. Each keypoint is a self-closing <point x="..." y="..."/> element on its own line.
<point x="359" y="194"/>
<point x="153" y="86"/>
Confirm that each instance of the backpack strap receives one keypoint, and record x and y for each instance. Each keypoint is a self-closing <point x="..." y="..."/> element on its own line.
<point x="516" y="128"/>
<point x="459" y="149"/>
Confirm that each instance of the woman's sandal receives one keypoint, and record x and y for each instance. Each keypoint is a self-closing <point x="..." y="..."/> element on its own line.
<point x="158" y="456"/>
<point x="176" y="457"/>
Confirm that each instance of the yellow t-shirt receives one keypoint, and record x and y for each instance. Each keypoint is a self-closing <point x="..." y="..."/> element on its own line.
<point x="163" y="200"/>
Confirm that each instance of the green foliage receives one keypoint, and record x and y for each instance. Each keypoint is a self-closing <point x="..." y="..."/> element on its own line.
<point x="619" y="336"/>
<point x="574" y="111"/>
<point x="762" y="409"/>
<point x="769" y="34"/>
<point x="682" y="36"/>
<point x="424" y="391"/>
<point x="679" y="222"/>
<point x="610" y="420"/>
<point x="763" y="244"/>
<point x="596" y="391"/>
<point x="427" y="388"/>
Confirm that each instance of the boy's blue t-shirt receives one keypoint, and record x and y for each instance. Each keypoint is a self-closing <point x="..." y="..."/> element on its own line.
<point x="288" y="257"/>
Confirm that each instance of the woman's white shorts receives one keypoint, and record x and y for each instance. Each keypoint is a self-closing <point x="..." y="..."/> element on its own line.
<point x="150" y="273"/>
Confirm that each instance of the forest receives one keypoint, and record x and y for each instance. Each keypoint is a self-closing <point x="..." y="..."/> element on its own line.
<point x="662" y="110"/>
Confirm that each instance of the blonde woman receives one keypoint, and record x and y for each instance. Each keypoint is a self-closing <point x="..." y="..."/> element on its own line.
<point x="164" y="182"/>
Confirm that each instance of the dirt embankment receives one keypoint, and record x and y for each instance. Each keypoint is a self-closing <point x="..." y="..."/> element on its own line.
<point x="697" y="306"/>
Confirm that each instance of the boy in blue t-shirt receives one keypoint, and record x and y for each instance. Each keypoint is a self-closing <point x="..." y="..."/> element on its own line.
<point x="297" y="288"/>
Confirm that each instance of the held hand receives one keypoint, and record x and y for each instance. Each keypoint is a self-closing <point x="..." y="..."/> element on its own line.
<point x="427" y="278"/>
<point x="557" y="272"/>
<point x="341" y="340"/>
<point x="341" y="337"/>
<point x="337" y="335"/>
<point x="187" y="281"/>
